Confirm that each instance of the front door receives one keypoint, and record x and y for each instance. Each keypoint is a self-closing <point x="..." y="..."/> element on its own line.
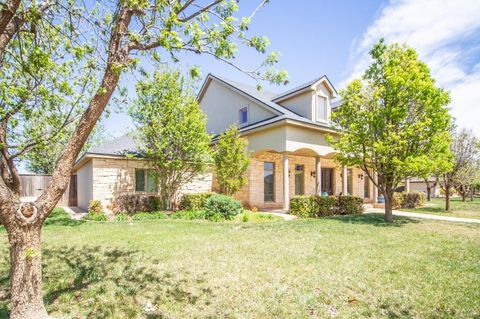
<point x="327" y="181"/>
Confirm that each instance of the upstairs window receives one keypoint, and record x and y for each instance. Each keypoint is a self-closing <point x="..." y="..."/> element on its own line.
<point x="146" y="181"/>
<point x="321" y="108"/>
<point x="243" y="116"/>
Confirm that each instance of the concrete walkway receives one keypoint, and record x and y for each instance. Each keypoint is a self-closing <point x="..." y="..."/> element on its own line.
<point x="425" y="216"/>
<point x="75" y="213"/>
<point x="281" y="213"/>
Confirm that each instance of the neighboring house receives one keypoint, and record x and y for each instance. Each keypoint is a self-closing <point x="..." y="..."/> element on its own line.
<point x="286" y="133"/>
<point x="418" y="185"/>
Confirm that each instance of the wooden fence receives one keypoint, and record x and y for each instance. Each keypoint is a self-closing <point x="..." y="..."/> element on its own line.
<point x="33" y="186"/>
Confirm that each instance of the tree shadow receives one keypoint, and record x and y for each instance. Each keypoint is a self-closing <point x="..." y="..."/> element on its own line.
<point x="373" y="219"/>
<point x="59" y="217"/>
<point x="116" y="282"/>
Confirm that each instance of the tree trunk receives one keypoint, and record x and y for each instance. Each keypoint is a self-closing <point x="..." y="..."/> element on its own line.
<point x="472" y="191"/>
<point x="26" y="272"/>
<point x="388" y="207"/>
<point x="429" y="191"/>
<point x="447" y="199"/>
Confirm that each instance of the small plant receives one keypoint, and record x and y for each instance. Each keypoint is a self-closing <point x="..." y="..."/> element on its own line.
<point x="149" y="216"/>
<point x="95" y="206"/>
<point x="195" y="201"/>
<point x="223" y="205"/>
<point x="96" y="217"/>
<point x="189" y="214"/>
<point x="245" y="218"/>
<point x="254" y="209"/>
<point x="121" y="217"/>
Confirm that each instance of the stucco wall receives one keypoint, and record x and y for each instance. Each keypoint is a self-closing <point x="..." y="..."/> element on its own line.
<point x="114" y="177"/>
<point x="222" y="105"/>
<point x="84" y="185"/>
<point x="300" y="104"/>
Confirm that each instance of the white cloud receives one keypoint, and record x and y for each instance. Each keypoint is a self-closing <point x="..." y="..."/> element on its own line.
<point x="446" y="35"/>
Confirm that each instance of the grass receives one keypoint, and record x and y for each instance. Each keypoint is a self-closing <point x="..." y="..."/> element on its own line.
<point x="467" y="209"/>
<point x="348" y="266"/>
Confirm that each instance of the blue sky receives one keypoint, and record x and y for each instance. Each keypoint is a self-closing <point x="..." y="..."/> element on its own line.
<point x="319" y="37"/>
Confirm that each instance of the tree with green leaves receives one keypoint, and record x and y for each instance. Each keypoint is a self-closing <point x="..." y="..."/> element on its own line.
<point x="437" y="164"/>
<point x="462" y="175"/>
<point x="392" y="119"/>
<point x="62" y="69"/>
<point x="231" y="161"/>
<point x="172" y="131"/>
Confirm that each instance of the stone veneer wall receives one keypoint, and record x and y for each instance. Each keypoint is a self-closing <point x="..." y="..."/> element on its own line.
<point x="114" y="177"/>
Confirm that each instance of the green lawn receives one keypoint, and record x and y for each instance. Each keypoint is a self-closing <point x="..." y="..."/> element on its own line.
<point x="459" y="208"/>
<point x="349" y="266"/>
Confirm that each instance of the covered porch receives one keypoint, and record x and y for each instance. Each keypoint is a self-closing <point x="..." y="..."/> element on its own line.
<point x="300" y="164"/>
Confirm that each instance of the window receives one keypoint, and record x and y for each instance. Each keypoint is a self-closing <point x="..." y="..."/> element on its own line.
<point x="146" y="181"/>
<point x="243" y="116"/>
<point x="349" y="182"/>
<point x="321" y="108"/>
<point x="366" y="187"/>
<point x="269" y="182"/>
<point x="299" y="180"/>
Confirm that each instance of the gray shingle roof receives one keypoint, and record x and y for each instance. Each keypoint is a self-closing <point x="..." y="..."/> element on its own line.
<point x="119" y="146"/>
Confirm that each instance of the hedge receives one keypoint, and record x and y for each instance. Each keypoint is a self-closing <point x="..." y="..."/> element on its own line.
<point x="194" y="201"/>
<point x="317" y="206"/>
<point x="132" y="203"/>
<point x="408" y="200"/>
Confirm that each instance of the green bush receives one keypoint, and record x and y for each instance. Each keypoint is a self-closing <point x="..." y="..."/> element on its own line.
<point x="194" y="201"/>
<point x="249" y="216"/>
<point x="318" y="206"/>
<point x="303" y="206"/>
<point x="121" y="217"/>
<point x="408" y="200"/>
<point x="97" y="217"/>
<point x="95" y="206"/>
<point x="226" y="206"/>
<point x="149" y="216"/>
<point x="189" y="214"/>
<point x="349" y="205"/>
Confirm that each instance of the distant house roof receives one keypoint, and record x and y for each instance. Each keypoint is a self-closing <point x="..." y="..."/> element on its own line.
<point x="119" y="146"/>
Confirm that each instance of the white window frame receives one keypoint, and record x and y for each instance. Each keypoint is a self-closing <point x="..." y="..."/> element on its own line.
<point x="317" y="118"/>
<point x="240" y="111"/>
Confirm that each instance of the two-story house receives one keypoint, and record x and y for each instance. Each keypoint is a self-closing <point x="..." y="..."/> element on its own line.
<point x="286" y="139"/>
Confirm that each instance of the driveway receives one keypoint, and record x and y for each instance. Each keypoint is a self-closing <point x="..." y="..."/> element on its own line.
<point x="425" y="216"/>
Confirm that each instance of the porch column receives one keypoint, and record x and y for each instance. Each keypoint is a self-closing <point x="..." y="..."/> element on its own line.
<point x="318" y="175"/>
<point x="407" y="185"/>
<point x="375" y="188"/>
<point x="286" y="185"/>
<point x="344" y="180"/>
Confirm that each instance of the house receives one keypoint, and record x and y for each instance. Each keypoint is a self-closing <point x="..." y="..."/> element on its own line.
<point x="286" y="133"/>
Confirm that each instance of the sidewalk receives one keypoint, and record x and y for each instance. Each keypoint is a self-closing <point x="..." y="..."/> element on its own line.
<point x="425" y="216"/>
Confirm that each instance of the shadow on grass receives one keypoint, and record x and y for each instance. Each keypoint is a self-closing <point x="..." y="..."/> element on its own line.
<point x="373" y="219"/>
<point x="115" y="282"/>
<point x="59" y="217"/>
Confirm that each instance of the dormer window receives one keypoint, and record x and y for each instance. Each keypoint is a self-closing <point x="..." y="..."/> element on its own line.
<point x="321" y="108"/>
<point x="243" y="116"/>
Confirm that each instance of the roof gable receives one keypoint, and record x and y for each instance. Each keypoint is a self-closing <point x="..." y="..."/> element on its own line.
<point x="310" y="85"/>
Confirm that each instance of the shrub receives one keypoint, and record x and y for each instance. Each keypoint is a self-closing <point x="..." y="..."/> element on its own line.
<point x="303" y="206"/>
<point x="325" y="205"/>
<point x="408" y="200"/>
<point x="95" y="206"/>
<point x="250" y="216"/>
<point x="195" y="201"/>
<point x="121" y="217"/>
<point x="224" y="205"/>
<point x="97" y="217"/>
<point x="131" y="203"/>
<point x="189" y="214"/>
<point x="149" y="216"/>
<point x="318" y="206"/>
<point x="349" y="205"/>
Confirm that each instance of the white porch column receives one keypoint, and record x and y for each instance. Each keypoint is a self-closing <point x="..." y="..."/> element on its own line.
<point x="344" y="180"/>
<point x="318" y="175"/>
<point x="407" y="185"/>
<point x="286" y="185"/>
<point x="375" y="188"/>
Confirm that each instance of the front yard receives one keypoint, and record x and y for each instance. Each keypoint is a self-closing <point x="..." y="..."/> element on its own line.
<point x="436" y="206"/>
<point x="348" y="267"/>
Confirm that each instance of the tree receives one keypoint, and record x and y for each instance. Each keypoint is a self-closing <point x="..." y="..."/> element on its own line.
<point x="65" y="68"/>
<point x="392" y="119"/>
<point x="465" y="151"/>
<point x="231" y="161"/>
<point x="43" y="158"/>
<point x="435" y="165"/>
<point x="172" y="131"/>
